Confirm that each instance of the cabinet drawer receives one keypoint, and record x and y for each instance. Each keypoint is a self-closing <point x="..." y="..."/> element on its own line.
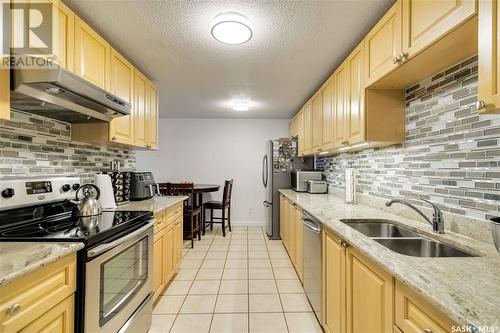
<point x="414" y="315"/>
<point x="173" y="213"/>
<point x="159" y="221"/>
<point x="59" y="319"/>
<point x="36" y="293"/>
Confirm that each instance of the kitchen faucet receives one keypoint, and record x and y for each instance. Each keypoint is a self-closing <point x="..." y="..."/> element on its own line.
<point x="437" y="217"/>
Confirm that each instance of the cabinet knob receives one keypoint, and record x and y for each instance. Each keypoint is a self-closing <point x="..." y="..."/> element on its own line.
<point x="343" y="244"/>
<point x="480" y="105"/>
<point x="113" y="138"/>
<point x="403" y="56"/>
<point x="396" y="60"/>
<point x="14" y="309"/>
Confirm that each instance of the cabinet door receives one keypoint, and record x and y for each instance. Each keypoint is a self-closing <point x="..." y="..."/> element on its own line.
<point x="426" y="21"/>
<point x="383" y="45"/>
<point x="122" y="85"/>
<point x="63" y="35"/>
<point x="342" y="105"/>
<point x="299" y="242"/>
<point x="170" y="253"/>
<point x="59" y="319"/>
<point x="140" y="109"/>
<point x="152" y="117"/>
<point x="489" y="55"/>
<point x="316" y="129"/>
<point x="159" y="263"/>
<point x="308" y="122"/>
<point x="177" y="242"/>
<point x="333" y="284"/>
<point x="327" y="118"/>
<point x="283" y="211"/>
<point x="301" y="132"/>
<point x="92" y="55"/>
<point x="291" y="232"/>
<point x="356" y="117"/>
<point x="4" y="80"/>
<point x="369" y="295"/>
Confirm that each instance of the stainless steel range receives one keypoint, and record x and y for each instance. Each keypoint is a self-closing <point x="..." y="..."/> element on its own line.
<point x="115" y="267"/>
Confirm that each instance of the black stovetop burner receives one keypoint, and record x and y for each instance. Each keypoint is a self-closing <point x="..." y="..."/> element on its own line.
<point x="56" y="222"/>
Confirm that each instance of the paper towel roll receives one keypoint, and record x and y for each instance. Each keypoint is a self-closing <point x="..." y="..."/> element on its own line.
<point x="350" y="185"/>
<point x="107" y="197"/>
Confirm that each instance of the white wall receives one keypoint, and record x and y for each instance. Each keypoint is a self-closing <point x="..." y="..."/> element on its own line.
<point x="213" y="150"/>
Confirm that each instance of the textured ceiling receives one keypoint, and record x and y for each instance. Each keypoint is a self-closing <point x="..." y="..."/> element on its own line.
<point x="296" y="45"/>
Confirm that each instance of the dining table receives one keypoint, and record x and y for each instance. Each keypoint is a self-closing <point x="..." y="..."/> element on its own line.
<point x="198" y="190"/>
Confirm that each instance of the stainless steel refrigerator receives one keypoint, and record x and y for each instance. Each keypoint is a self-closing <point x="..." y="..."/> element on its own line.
<point x="280" y="159"/>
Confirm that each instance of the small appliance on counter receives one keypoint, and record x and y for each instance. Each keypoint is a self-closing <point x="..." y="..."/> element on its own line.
<point x="107" y="195"/>
<point x="317" y="186"/>
<point x="143" y="186"/>
<point x="120" y="182"/>
<point x="300" y="178"/>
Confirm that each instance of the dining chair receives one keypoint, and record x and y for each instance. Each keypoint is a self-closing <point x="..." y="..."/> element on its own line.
<point x="192" y="213"/>
<point x="223" y="205"/>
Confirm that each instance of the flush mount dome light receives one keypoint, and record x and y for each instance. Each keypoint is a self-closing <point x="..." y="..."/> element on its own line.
<point x="240" y="106"/>
<point x="231" y="28"/>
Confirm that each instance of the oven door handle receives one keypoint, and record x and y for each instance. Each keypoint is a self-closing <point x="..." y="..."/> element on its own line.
<point x="108" y="246"/>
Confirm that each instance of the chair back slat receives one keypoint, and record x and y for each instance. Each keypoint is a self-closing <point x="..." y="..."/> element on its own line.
<point x="226" y="196"/>
<point x="180" y="189"/>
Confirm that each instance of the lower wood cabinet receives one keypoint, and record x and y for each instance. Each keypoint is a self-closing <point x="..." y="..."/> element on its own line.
<point x="291" y="232"/>
<point x="359" y="296"/>
<point x="167" y="247"/>
<point x="41" y="301"/>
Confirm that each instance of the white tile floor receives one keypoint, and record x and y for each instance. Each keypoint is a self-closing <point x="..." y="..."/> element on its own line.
<point x="240" y="283"/>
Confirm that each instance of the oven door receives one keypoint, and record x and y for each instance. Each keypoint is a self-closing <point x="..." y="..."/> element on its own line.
<point x="118" y="283"/>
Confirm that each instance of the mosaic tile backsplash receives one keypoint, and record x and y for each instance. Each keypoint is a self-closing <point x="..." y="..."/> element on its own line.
<point x="451" y="155"/>
<point x="31" y="145"/>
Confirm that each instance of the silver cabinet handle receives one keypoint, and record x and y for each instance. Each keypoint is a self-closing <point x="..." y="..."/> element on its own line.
<point x="480" y="105"/>
<point x="14" y="309"/>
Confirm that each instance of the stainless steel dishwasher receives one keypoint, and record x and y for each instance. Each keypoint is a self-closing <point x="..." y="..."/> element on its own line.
<point x="312" y="262"/>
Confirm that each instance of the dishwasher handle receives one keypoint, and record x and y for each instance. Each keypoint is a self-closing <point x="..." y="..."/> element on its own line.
<point x="310" y="224"/>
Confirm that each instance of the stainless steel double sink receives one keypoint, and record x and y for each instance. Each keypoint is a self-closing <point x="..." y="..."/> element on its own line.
<point x="402" y="240"/>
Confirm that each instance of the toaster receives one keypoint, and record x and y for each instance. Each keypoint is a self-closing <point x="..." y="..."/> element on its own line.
<point x="300" y="178"/>
<point x="317" y="186"/>
<point x="143" y="186"/>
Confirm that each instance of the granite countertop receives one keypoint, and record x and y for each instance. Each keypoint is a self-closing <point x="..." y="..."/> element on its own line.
<point x="154" y="204"/>
<point x="20" y="258"/>
<point x="466" y="289"/>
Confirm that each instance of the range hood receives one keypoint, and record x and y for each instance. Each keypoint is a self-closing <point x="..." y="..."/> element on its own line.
<point x="59" y="94"/>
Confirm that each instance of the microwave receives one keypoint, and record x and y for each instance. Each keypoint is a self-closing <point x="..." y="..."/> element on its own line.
<point x="300" y="178"/>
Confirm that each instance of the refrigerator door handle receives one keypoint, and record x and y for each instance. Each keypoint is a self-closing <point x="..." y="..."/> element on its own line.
<point x="267" y="203"/>
<point x="264" y="171"/>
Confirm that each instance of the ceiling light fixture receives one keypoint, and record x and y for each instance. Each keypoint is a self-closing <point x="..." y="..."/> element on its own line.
<point x="231" y="28"/>
<point x="240" y="106"/>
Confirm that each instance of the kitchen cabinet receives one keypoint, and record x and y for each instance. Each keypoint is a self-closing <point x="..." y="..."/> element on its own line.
<point x="424" y="22"/>
<point x="167" y="246"/>
<point x="294" y="127"/>
<point x="41" y="301"/>
<point x="340" y="113"/>
<point x="291" y="232"/>
<point x="334" y="284"/>
<point x="63" y="35"/>
<point x="308" y="129"/>
<point x="283" y="218"/>
<point x="4" y="81"/>
<point x="121" y="130"/>
<point x="356" y="111"/>
<point x="488" y="57"/>
<point x="316" y="122"/>
<point x="300" y="132"/>
<point x="152" y="117"/>
<point x="140" y="108"/>
<point x="299" y="242"/>
<point x="414" y="315"/>
<point x="92" y="55"/>
<point x="369" y="296"/>
<point x="328" y="110"/>
<point x="383" y="45"/>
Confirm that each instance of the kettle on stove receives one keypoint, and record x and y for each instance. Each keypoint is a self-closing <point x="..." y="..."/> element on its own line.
<point x="88" y="206"/>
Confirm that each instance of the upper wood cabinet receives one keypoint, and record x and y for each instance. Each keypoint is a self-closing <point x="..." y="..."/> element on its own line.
<point x="122" y="85"/>
<point x="383" y="45"/>
<point x="63" y="35"/>
<point x="299" y="118"/>
<point x="92" y="55"/>
<point x="369" y="295"/>
<point x="328" y="110"/>
<point x="4" y="94"/>
<point x="424" y="21"/>
<point x="356" y="114"/>
<point x="308" y="128"/>
<point x="317" y="115"/>
<point x="153" y="117"/>
<point x="341" y="110"/>
<point x="334" y="284"/>
<point x="488" y="57"/>
<point x="139" y="110"/>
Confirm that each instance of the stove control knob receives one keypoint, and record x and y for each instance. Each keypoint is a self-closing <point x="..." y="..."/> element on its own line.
<point x="8" y="193"/>
<point x="76" y="187"/>
<point x="66" y="187"/>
